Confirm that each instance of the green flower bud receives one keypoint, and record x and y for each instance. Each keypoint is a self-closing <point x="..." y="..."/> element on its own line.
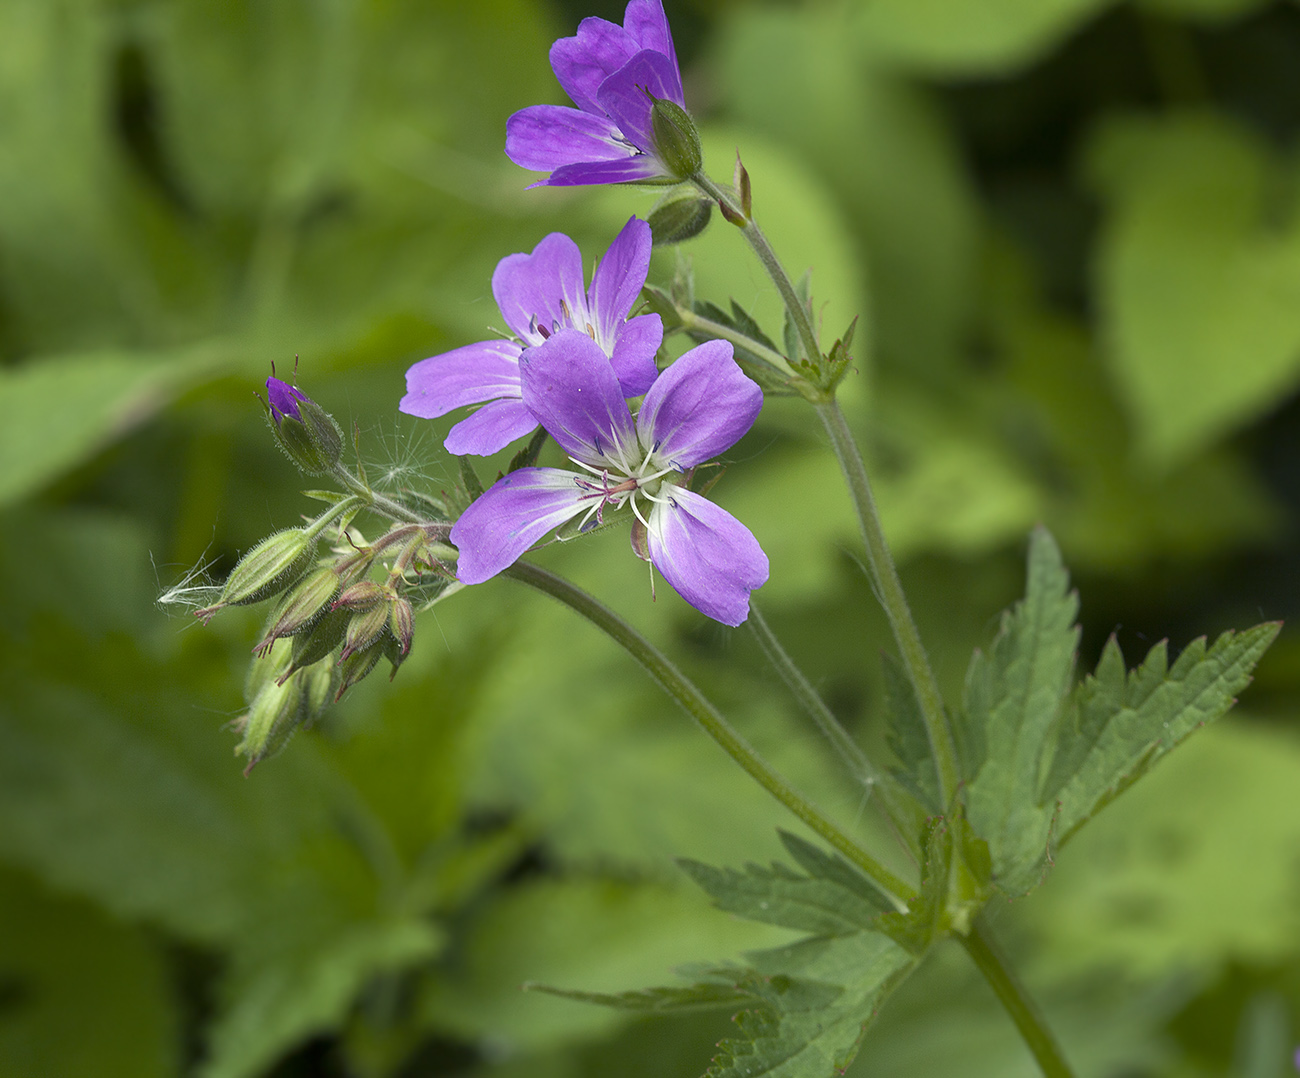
<point x="270" y="567"/>
<point x="318" y="641"/>
<point x="358" y="665"/>
<point x="300" y="608"/>
<point x="401" y="623"/>
<point x="277" y="710"/>
<point x="677" y="143"/>
<point x="364" y="629"/>
<point x="679" y="219"/>
<point x="305" y="431"/>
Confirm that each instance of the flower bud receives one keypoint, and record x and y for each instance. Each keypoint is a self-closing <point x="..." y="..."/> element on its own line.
<point x="364" y="629"/>
<point x="401" y="623"/>
<point x="358" y="665"/>
<point x="363" y="595"/>
<point x="274" y="713"/>
<point x="677" y="143"/>
<point x="318" y="641"/>
<point x="679" y="219"/>
<point x="299" y="610"/>
<point x="305" y="431"/>
<point x="270" y="567"/>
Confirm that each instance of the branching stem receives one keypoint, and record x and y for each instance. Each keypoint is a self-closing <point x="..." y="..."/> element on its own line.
<point x="681" y="689"/>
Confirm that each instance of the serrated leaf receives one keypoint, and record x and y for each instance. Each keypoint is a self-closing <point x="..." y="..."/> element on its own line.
<point x="915" y="929"/>
<point x="670" y="1000"/>
<point x="832" y="867"/>
<point x="1012" y="703"/>
<point x="815" y="1002"/>
<point x="744" y="322"/>
<point x="1121" y="724"/>
<point x="779" y="896"/>
<point x="906" y="736"/>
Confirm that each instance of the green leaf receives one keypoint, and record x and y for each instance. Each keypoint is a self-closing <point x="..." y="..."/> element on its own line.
<point x="671" y="1000"/>
<point x="968" y="37"/>
<point x="279" y="999"/>
<point x="906" y="736"/>
<point x="81" y="993"/>
<point x="1121" y="724"/>
<point x="56" y="413"/>
<point x="1010" y="711"/>
<point x="832" y="901"/>
<point x="814" y="1002"/>
<point x="1198" y="267"/>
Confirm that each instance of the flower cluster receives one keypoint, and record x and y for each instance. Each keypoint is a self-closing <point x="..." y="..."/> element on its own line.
<point x="578" y="359"/>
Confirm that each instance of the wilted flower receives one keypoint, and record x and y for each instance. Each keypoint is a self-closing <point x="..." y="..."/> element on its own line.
<point x="614" y="74"/>
<point x="696" y="409"/>
<point x="540" y="294"/>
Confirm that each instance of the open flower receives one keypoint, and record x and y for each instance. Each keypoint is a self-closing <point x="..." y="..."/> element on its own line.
<point x="699" y="407"/>
<point x="612" y="73"/>
<point x="540" y="294"/>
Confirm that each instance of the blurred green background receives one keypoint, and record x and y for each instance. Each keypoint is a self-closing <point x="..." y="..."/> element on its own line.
<point x="1073" y="230"/>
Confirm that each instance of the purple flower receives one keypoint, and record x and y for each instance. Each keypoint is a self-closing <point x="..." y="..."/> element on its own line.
<point x="696" y="409"/>
<point x="284" y="399"/>
<point x="541" y="294"/>
<point x="611" y="73"/>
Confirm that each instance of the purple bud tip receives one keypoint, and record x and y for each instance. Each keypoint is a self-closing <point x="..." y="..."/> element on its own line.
<point x="284" y="399"/>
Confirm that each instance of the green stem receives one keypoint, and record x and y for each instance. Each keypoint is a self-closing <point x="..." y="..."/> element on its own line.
<point x="379" y="502"/>
<point x="692" y="321"/>
<point x="986" y="955"/>
<point x="848" y="749"/>
<point x="757" y="240"/>
<point x="889" y="589"/>
<point x="676" y="685"/>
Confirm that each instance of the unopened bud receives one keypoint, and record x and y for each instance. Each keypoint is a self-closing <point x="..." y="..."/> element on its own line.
<point x="278" y="709"/>
<point x="364" y="629"/>
<point x="358" y="665"/>
<point x="306" y="432"/>
<point x="270" y="567"/>
<point x="677" y="142"/>
<point x="307" y="601"/>
<point x="679" y="220"/>
<point x="318" y="641"/>
<point x="401" y="623"/>
<point x="363" y="595"/>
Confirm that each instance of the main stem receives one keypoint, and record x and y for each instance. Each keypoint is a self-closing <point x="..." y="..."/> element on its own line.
<point x="884" y="576"/>
<point x="681" y="689"/>
<point x="1011" y="993"/>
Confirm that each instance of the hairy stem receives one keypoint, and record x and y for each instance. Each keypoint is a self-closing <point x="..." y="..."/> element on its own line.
<point x="889" y="589"/>
<point x="854" y="758"/>
<point x="986" y="955"/>
<point x="692" y="321"/>
<point x="681" y="689"/>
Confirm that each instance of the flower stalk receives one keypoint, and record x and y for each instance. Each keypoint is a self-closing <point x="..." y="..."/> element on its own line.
<point x="695" y="704"/>
<point x="889" y="589"/>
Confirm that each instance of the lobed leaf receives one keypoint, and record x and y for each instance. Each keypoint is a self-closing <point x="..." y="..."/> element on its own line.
<point x="1010" y="712"/>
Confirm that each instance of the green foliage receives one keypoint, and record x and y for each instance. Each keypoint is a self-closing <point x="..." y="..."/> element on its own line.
<point x="1196" y="271"/>
<point x="1041" y="760"/>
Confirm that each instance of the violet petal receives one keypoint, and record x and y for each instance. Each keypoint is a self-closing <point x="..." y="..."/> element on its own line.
<point x="583" y="62"/>
<point x="284" y="399"/>
<point x="635" y="345"/>
<point x="570" y="386"/>
<point x="635" y="169"/>
<point x="544" y="137"/>
<point x="530" y="287"/>
<point x="625" y="96"/>
<point x="508" y="518"/>
<point x="620" y="274"/>
<point x="647" y="25"/>
<point x="709" y="557"/>
<point x="491" y="428"/>
<point x="469" y="375"/>
<point x="698" y="407"/>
